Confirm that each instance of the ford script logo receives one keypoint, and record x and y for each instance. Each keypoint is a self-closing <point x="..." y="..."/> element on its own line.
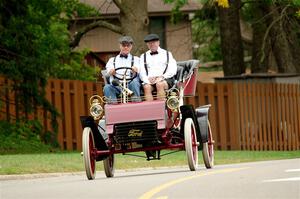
<point x="135" y="133"/>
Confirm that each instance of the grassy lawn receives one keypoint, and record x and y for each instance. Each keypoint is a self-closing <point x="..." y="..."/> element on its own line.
<point x="73" y="162"/>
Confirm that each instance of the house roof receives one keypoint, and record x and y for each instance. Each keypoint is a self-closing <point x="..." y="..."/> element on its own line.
<point x="155" y="7"/>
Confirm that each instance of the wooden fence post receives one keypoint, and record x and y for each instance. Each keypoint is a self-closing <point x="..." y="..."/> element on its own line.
<point x="233" y="116"/>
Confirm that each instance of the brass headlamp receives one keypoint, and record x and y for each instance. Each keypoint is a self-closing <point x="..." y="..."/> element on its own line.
<point x="173" y="101"/>
<point x="96" y="109"/>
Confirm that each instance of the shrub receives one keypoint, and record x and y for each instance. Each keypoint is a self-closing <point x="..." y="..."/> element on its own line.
<point x="22" y="137"/>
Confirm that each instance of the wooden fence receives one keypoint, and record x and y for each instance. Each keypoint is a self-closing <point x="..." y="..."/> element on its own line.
<point x="243" y="116"/>
<point x="252" y="116"/>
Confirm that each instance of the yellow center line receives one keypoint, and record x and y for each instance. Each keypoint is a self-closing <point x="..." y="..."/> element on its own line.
<point x="159" y="188"/>
<point x="162" y="197"/>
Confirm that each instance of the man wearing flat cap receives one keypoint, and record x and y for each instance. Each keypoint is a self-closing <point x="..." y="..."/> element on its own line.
<point x="123" y="59"/>
<point x="158" y="68"/>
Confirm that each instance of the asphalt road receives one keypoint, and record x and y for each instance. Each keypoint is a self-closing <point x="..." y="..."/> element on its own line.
<point x="269" y="179"/>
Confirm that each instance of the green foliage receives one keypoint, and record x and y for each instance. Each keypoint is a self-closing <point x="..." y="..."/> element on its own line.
<point x="22" y="137"/>
<point x="35" y="38"/>
<point x="73" y="8"/>
<point x="177" y="4"/>
<point x="32" y="48"/>
<point x="206" y="37"/>
<point x="293" y="2"/>
<point x="75" y="68"/>
<point x="34" y="45"/>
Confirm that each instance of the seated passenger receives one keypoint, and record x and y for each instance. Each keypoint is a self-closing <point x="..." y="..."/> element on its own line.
<point x="124" y="59"/>
<point x="158" y="70"/>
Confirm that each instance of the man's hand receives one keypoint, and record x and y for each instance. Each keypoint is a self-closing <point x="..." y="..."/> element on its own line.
<point x="112" y="72"/>
<point x="154" y="80"/>
<point x="159" y="79"/>
<point x="135" y="69"/>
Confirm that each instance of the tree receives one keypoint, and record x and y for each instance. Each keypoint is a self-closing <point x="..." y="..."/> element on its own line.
<point x="282" y="31"/>
<point x="33" y="46"/>
<point x="132" y="21"/>
<point x="230" y="34"/>
<point x="276" y="30"/>
<point x="261" y="46"/>
<point x="231" y="40"/>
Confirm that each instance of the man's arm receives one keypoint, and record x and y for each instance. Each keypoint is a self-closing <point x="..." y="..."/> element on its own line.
<point x="110" y="67"/>
<point x="143" y="74"/>
<point x="172" y="67"/>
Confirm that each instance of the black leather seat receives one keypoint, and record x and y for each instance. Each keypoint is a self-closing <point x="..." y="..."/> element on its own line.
<point x="105" y="76"/>
<point x="186" y="69"/>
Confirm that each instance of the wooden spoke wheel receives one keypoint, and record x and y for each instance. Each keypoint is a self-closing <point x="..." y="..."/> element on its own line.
<point x="208" y="149"/>
<point x="88" y="147"/>
<point x="108" y="164"/>
<point x="191" y="147"/>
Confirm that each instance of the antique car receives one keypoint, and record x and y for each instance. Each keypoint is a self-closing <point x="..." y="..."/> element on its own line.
<point x="148" y="126"/>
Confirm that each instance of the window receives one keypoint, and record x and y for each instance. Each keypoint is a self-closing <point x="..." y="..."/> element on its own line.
<point x="157" y="26"/>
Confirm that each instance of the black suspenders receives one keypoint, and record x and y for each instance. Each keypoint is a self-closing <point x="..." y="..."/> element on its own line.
<point x="145" y="64"/>
<point x="167" y="63"/>
<point x="114" y="62"/>
<point x="132" y="61"/>
<point x="146" y="67"/>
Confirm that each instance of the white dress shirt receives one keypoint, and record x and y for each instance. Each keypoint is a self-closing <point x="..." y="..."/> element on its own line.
<point x="156" y="65"/>
<point x="122" y="62"/>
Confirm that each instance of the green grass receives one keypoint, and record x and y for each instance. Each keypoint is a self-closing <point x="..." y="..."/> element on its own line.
<point x="72" y="161"/>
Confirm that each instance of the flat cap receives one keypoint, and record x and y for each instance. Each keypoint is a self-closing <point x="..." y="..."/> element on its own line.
<point x="126" y="39"/>
<point x="151" y="37"/>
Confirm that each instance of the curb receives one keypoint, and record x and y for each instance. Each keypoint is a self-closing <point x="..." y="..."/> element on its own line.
<point x="37" y="175"/>
<point x="46" y="175"/>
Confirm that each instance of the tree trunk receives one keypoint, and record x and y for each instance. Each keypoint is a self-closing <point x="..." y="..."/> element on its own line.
<point x="280" y="40"/>
<point x="292" y="29"/>
<point x="260" y="42"/>
<point x="231" y="40"/>
<point x="133" y="19"/>
<point x="134" y="22"/>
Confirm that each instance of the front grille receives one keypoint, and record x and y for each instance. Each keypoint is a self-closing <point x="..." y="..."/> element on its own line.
<point x="136" y="132"/>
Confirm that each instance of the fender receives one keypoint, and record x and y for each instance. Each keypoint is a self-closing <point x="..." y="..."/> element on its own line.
<point x="88" y="121"/>
<point x="187" y="111"/>
<point x="202" y="118"/>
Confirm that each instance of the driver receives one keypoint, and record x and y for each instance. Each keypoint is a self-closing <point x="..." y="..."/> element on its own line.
<point x="124" y="59"/>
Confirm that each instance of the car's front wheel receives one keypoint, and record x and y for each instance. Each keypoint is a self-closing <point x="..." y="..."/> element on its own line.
<point x="191" y="145"/>
<point x="88" y="147"/>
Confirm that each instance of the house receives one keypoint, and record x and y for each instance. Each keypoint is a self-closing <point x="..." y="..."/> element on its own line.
<point x="103" y="43"/>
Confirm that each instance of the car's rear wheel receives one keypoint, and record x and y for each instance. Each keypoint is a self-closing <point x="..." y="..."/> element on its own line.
<point x="190" y="141"/>
<point x="109" y="164"/>
<point x="88" y="147"/>
<point x="208" y="149"/>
